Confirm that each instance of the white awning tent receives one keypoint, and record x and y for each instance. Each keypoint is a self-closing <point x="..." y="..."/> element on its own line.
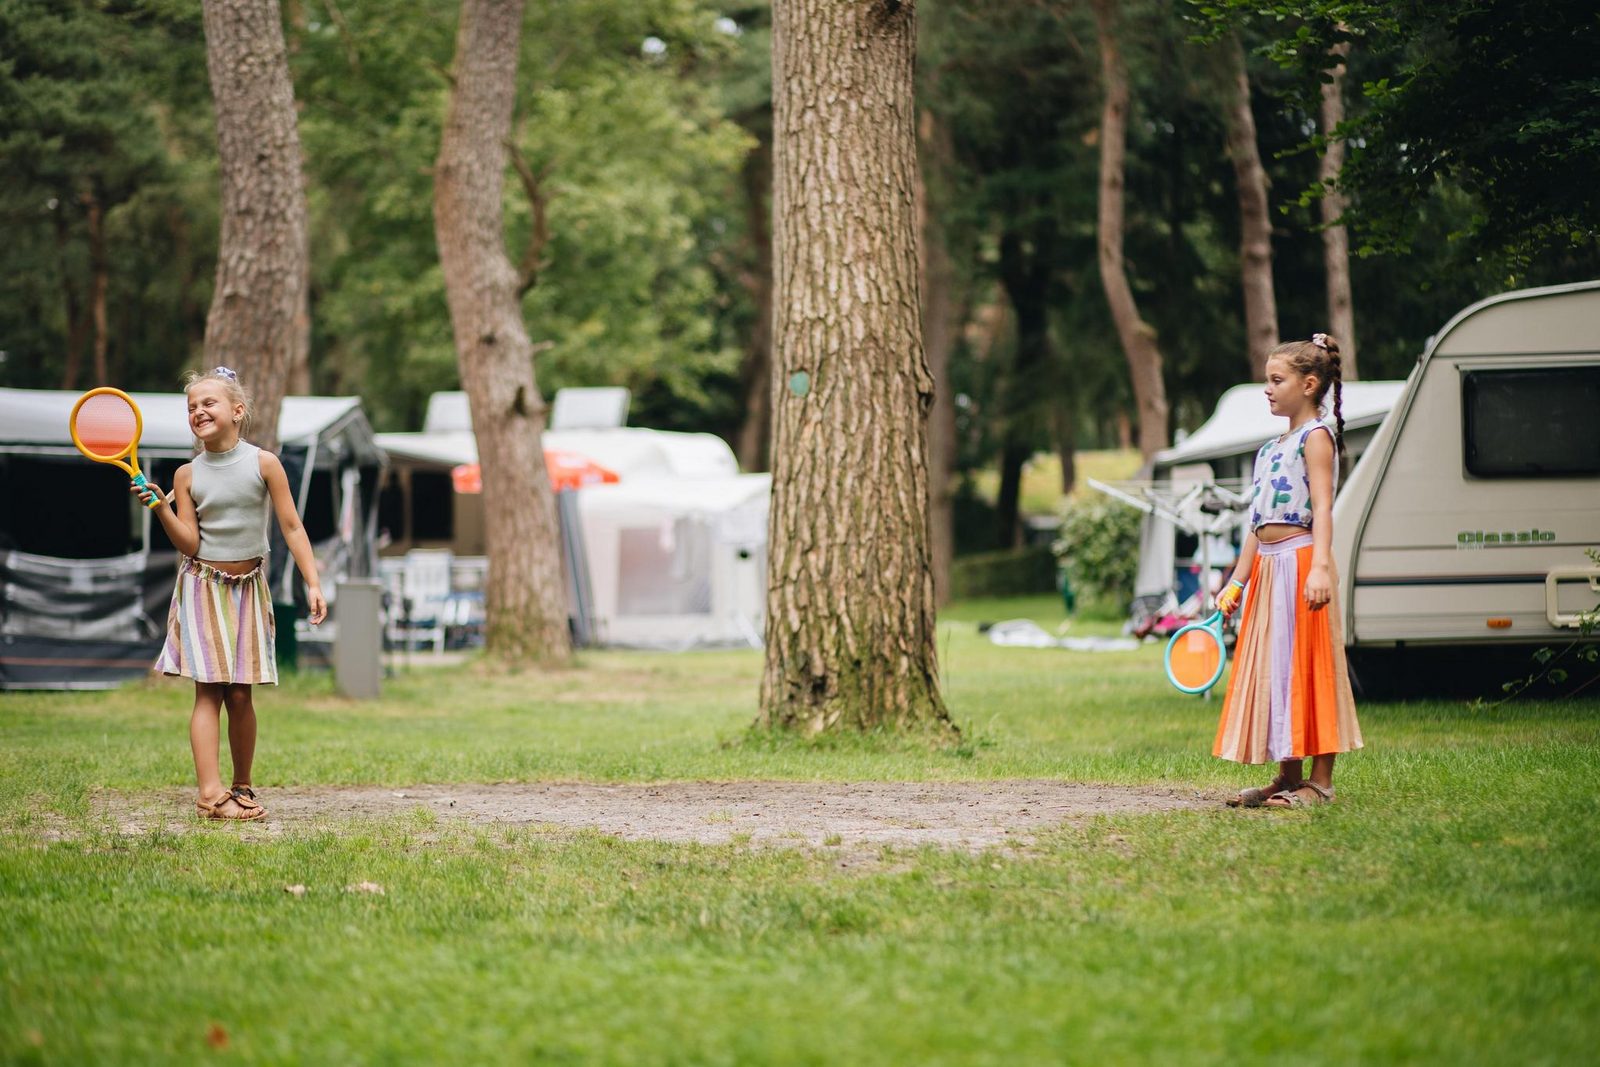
<point x="629" y="451"/>
<point x="1223" y="450"/>
<point x="674" y="554"/>
<point x="676" y="562"/>
<point x="1242" y="420"/>
<point x="35" y="421"/>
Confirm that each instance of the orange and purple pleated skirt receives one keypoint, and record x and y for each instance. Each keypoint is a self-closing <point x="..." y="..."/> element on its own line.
<point x="1289" y="695"/>
<point x="220" y="627"/>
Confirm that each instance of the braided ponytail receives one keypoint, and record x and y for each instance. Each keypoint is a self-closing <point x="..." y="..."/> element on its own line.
<point x="1336" y="372"/>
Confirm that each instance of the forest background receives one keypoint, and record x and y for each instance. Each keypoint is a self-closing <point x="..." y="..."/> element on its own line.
<point x="641" y="213"/>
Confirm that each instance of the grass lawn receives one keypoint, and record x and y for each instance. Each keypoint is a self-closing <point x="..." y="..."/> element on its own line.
<point x="1446" y="910"/>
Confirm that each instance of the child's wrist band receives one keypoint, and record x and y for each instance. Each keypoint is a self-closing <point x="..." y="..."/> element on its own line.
<point x="1236" y="583"/>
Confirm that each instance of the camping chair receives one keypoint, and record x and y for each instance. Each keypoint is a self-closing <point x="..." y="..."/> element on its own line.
<point x="417" y="588"/>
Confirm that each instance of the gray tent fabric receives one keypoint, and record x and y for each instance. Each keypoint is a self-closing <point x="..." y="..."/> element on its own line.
<point x="86" y="574"/>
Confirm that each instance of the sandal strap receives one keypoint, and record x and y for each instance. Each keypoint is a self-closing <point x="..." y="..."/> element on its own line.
<point x="242" y="797"/>
<point x="1325" y="794"/>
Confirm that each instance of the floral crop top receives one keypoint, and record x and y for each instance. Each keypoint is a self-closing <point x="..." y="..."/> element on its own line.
<point x="1282" y="490"/>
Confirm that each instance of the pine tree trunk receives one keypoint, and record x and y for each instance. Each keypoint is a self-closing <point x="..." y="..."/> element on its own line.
<point x="755" y="433"/>
<point x="1026" y="267"/>
<point x="99" y="281"/>
<point x="1335" y="239"/>
<point x="261" y="270"/>
<point x="940" y="321"/>
<point x="1065" y="428"/>
<point x="525" y="596"/>
<point x="850" y="601"/>
<point x="298" y="381"/>
<point x="77" y="318"/>
<point x="1137" y="337"/>
<point x="1255" y="223"/>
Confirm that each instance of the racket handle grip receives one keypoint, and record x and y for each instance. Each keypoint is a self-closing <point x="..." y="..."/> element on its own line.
<point x="155" y="496"/>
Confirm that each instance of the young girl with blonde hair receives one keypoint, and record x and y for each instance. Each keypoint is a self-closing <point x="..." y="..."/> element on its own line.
<point x="1289" y="696"/>
<point x="220" y="627"/>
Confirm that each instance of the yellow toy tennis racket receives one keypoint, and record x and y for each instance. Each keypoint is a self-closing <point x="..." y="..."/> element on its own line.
<point x="106" y="425"/>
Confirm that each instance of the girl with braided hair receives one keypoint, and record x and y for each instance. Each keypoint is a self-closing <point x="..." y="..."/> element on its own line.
<point x="1289" y="697"/>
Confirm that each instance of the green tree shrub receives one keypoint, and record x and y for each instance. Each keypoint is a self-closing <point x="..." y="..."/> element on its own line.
<point x="1098" y="545"/>
<point x="1012" y="572"/>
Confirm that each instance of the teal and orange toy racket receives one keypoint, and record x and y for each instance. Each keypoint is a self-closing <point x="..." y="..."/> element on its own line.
<point x="106" y="425"/>
<point x="1195" y="655"/>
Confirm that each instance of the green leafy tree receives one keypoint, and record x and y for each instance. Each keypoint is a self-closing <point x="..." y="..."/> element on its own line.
<point x="103" y="156"/>
<point x="1495" y="98"/>
<point x="615" y="204"/>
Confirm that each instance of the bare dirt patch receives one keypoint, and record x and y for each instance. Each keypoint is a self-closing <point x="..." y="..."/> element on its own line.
<point x="961" y="815"/>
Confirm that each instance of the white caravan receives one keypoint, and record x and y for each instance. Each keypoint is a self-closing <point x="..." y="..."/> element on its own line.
<point x="1464" y="525"/>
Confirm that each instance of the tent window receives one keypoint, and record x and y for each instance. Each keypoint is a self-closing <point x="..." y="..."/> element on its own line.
<point x="102" y="520"/>
<point x="1537" y="423"/>
<point x="432" y="506"/>
<point x="319" y="514"/>
<point x="664" y="570"/>
<point x="162" y="472"/>
<point x="392" y="506"/>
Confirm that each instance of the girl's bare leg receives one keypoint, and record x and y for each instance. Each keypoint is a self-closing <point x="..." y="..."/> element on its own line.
<point x="241" y="731"/>
<point x="204" y="736"/>
<point x="1290" y="773"/>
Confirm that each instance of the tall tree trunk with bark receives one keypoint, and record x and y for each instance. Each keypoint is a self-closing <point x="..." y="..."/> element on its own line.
<point x="755" y="375"/>
<point x="1027" y="261"/>
<point x="941" y="319"/>
<point x="1065" y="429"/>
<point x="850" y="601"/>
<point x="1255" y="222"/>
<point x="298" y="381"/>
<point x="99" y="280"/>
<point x="1137" y="336"/>
<point x="77" y="318"/>
<point x="253" y="325"/>
<point x="525" y="596"/>
<point x="1335" y="239"/>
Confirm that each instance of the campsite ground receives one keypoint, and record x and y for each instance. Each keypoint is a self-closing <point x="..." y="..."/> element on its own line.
<point x="1446" y="909"/>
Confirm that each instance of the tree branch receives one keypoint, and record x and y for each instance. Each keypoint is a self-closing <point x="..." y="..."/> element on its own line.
<point x="533" y="256"/>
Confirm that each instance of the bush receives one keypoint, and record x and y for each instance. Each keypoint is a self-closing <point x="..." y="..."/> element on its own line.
<point x="1098" y="544"/>
<point x="1015" y="572"/>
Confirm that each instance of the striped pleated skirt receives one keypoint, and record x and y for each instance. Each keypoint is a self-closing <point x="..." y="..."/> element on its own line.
<point x="1289" y="696"/>
<point x="220" y="627"/>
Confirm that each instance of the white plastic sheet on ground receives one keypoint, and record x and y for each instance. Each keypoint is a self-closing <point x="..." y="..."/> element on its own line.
<point x="1025" y="633"/>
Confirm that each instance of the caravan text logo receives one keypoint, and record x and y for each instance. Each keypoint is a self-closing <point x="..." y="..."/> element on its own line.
<point x="1483" y="538"/>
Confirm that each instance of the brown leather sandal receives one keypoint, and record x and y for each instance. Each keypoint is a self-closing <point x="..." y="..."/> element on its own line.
<point x="249" y="810"/>
<point x="1291" y="798"/>
<point x="1255" y="798"/>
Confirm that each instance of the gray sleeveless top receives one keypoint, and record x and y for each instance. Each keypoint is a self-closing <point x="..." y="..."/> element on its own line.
<point x="230" y="496"/>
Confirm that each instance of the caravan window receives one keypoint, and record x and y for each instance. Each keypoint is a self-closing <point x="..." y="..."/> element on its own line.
<point x="319" y="520"/>
<point x="1538" y="423"/>
<point x="432" y="506"/>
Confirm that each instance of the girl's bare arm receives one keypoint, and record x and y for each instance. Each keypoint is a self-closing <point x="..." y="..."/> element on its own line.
<point x="177" y="517"/>
<point x="294" y="534"/>
<point x="1319" y="467"/>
